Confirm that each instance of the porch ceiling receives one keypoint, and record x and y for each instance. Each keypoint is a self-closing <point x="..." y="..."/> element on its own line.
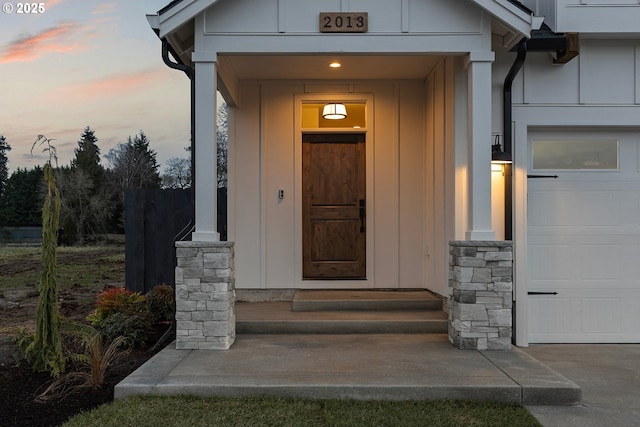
<point x="316" y="67"/>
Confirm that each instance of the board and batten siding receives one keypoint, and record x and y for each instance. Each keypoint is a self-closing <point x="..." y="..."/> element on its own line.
<point x="400" y="169"/>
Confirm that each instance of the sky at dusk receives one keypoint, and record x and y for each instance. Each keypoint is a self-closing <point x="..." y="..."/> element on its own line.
<point x="88" y="63"/>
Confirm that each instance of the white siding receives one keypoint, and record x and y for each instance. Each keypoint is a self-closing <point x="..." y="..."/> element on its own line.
<point x="301" y="16"/>
<point x="606" y="72"/>
<point x="588" y="16"/>
<point x="267" y="230"/>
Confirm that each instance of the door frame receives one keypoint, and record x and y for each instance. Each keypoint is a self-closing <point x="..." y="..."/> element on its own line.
<point x="368" y="131"/>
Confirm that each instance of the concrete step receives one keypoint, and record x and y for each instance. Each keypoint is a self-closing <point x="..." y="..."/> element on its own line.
<point x="337" y="300"/>
<point x="364" y="367"/>
<point x="278" y="318"/>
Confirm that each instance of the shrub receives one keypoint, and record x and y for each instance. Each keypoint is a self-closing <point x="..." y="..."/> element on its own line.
<point x="91" y="356"/>
<point x="116" y="300"/>
<point x="161" y="303"/>
<point x="133" y="328"/>
<point x="121" y="312"/>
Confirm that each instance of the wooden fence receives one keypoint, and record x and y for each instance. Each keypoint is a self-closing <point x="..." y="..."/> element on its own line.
<point x="154" y="219"/>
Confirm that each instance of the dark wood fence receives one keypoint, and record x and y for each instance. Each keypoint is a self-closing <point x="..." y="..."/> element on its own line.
<point x="154" y="220"/>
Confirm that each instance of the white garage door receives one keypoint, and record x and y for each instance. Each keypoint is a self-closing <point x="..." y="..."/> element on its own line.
<point x="584" y="237"/>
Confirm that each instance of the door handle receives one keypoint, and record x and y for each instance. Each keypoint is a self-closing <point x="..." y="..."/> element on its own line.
<point x="362" y="214"/>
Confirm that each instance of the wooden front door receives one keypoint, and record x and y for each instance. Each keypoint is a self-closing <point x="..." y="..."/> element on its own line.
<point x="333" y="206"/>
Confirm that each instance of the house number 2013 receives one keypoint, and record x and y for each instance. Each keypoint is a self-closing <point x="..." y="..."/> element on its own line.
<point x="344" y="22"/>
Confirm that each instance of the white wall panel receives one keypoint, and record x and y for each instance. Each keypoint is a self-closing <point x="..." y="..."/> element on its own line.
<point x="411" y="186"/>
<point x="444" y="16"/>
<point x="607" y="73"/>
<point x="547" y="83"/>
<point x="246" y="16"/>
<point x="245" y="191"/>
<point x="278" y="173"/>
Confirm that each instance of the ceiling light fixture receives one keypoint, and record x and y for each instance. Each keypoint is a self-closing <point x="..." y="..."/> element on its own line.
<point x="334" y="112"/>
<point x="335" y="65"/>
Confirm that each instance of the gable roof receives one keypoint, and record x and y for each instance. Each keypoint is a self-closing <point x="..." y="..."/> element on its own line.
<point x="509" y="12"/>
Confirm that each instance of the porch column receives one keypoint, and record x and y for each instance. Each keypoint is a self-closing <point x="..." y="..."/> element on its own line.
<point x="206" y="167"/>
<point x="479" y="146"/>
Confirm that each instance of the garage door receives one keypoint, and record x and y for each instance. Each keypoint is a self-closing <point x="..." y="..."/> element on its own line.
<point x="584" y="237"/>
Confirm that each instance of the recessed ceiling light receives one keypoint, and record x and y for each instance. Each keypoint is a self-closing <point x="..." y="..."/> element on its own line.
<point x="335" y="65"/>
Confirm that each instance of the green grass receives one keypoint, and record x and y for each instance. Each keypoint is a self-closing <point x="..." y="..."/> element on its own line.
<point x="77" y="266"/>
<point x="254" y="412"/>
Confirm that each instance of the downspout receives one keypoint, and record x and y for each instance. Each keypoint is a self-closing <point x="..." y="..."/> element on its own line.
<point x="508" y="136"/>
<point x="190" y="72"/>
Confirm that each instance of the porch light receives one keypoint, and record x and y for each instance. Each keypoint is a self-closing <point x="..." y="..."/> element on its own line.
<point x="497" y="155"/>
<point x="334" y="112"/>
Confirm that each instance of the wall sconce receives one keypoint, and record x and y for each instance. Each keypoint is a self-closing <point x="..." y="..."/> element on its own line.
<point x="334" y="112"/>
<point x="498" y="156"/>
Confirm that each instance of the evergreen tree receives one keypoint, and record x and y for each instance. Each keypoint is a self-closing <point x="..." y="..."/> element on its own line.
<point x="45" y="351"/>
<point x="4" y="169"/>
<point x="149" y="177"/>
<point x="21" y="203"/>
<point x="87" y="156"/>
<point x="132" y="165"/>
<point x="85" y="204"/>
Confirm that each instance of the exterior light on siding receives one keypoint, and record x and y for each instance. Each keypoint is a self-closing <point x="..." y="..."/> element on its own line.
<point x="497" y="155"/>
<point x="334" y="112"/>
<point x="335" y="65"/>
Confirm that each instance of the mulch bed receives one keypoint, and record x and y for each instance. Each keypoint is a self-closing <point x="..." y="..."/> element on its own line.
<point x="20" y="385"/>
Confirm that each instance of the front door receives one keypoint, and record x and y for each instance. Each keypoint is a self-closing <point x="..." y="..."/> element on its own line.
<point x="333" y="206"/>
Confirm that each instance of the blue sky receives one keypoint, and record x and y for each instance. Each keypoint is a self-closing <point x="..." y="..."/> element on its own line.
<point x="88" y="63"/>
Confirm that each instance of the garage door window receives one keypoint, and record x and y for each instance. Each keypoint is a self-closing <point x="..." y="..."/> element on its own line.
<point x="575" y="154"/>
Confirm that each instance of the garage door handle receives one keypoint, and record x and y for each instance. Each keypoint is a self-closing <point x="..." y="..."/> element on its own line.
<point x="542" y="176"/>
<point x="542" y="293"/>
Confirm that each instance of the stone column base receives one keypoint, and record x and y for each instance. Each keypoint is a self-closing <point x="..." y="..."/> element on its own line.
<point x="205" y="296"/>
<point x="481" y="278"/>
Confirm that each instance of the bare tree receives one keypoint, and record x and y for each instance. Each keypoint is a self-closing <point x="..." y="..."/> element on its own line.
<point x="133" y="165"/>
<point x="84" y="206"/>
<point x="177" y="174"/>
<point x="222" y="140"/>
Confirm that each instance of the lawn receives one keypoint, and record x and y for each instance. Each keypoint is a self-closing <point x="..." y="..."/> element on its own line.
<point x="77" y="266"/>
<point x="220" y="412"/>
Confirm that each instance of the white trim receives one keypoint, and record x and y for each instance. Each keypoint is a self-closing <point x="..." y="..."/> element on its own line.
<point x="368" y="130"/>
<point x="502" y="10"/>
<point x="511" y="15"/>
<point x="546" y="116"/>
<point x="179" y="14"/>
<point x="206" y="227"/>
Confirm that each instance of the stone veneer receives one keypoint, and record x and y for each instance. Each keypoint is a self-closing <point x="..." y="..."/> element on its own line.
<point x="481" y="278"/>
<point x="205" y="295"/>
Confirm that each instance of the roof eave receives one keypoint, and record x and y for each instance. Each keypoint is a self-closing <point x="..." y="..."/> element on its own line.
<point x="515" y="17"/>
<point x="170" y="19"/>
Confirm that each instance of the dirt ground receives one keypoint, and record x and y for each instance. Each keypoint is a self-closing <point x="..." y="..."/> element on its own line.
<point x="19" y="385"/>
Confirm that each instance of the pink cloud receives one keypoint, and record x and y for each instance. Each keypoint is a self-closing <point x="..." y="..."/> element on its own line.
<point x="29" y="48"/>
<point x="105" y="8"/>
<point x="51" y="3"/>
<point x="109" y="86"/>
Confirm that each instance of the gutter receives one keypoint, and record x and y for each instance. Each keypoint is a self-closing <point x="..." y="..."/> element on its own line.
<point x="566" y="47"/>
<point x="507" y="136"/>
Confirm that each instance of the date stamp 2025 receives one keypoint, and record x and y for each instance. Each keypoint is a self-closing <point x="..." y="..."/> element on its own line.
<point x="23" y="8"/>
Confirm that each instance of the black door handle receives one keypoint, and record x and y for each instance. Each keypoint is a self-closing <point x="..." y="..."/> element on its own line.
<point x="362" y="214"/>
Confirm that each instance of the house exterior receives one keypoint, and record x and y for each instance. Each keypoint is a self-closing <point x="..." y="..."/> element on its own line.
<point x="402" y="193"/>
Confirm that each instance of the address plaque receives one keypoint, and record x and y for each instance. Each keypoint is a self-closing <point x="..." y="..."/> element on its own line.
<point x="335" y="22"/>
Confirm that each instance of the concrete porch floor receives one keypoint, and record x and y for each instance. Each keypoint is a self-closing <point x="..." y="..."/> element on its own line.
<point x="363" y="366"/>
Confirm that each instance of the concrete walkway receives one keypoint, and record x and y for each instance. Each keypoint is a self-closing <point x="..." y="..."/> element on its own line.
<point x="382" y="366"/>
<point x="609" y="375"/>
